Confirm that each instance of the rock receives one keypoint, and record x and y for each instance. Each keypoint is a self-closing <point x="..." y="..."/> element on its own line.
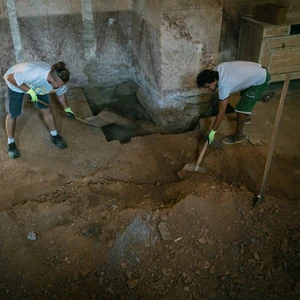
<point x="212" y="270"/>
<point x="186" y="288"/>
<point x="132" y="283"/>
<point x="210" y="242"/>
<point x="202" y="241"/>
<point x="166" y="272"/>
<point x="256" y="256"/>
<point x="164" y="217"/>
<point x="110" y="243"/>
<point x="31" y="236"/>
<point x="206" y="265"/>
<point x="164" y="231"/>
<point x="91" y="230"/>
<point x="128" y="274"/>
<point x="123" y="265"/>
<point x="181" y="174"/>
<point x="104" y="237"/>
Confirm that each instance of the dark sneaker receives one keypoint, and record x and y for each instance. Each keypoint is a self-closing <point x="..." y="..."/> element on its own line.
<point x="12" y="150"/>
<point x="58" y="141"/>
<point x="248" y="120"/>
<point x="232" y="139"/>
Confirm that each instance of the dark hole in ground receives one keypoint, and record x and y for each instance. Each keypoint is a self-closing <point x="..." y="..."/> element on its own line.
<point x="122" y="99"/>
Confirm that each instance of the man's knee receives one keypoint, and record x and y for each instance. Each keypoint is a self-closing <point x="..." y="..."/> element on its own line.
<point x="13" y="115"/>
<point x="47" y="112"/>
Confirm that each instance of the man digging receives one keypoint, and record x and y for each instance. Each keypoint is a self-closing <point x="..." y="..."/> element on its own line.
<point x="37" y="79"/>
<point x="248" y="78"/>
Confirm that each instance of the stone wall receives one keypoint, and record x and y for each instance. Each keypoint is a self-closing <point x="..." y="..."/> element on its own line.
<point x="55" y="31"/>
<point x="146" y="45"/>
<point x="160" y="44"/>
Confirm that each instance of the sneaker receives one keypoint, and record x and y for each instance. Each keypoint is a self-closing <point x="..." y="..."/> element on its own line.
<point x="12" y="150"/>
<point x="58" y="141"/>
<point x="232" y="139"/>
<point x="248" y="120"/>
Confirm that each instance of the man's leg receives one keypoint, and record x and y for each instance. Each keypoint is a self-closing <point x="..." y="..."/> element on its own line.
<point x="56" y="139"/>
<point x="240" y="124"/>
<point x="49" y="119"/>
<point x="10" y="126"/>
<point x="13" y="105"/>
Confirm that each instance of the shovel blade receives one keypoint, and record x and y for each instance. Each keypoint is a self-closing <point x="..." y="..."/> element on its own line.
<point x="192" y="168"/>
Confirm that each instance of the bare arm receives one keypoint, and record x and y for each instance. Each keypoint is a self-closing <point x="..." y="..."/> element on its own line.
<point x="221" y="114"/>
<point x="63" y="101"/>
<point x="12" y="80"/>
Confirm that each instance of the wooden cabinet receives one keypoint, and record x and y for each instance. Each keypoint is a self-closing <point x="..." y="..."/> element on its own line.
<point x="276" y="47"/>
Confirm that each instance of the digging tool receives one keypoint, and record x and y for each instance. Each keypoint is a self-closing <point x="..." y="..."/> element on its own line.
<point x="99" y="123"/>
<point x="196" y="168"/>
<point x="260" y="198"/>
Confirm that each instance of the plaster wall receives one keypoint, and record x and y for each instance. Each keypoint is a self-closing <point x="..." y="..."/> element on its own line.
<point x="190" y="34"/>
<point x="146" y="46"/>
<point x="55" y="31"/>
<point x="232" y="11"/>
<point x="30" y="8"/>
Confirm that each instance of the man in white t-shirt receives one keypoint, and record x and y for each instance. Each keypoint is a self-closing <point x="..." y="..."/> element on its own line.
<point x="248" y="78"/>
<point x="37" y="79"/>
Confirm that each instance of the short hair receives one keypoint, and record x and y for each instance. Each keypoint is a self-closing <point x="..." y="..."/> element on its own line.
<point x="61" y="71"/>
<point x="206" y="76"/>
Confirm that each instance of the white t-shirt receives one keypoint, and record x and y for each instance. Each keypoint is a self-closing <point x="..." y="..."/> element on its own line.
<point x="34" y="75"/>
<point x="236" y="76"/>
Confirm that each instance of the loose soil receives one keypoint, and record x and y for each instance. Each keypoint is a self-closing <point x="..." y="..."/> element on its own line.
<point x="114" y="221"/>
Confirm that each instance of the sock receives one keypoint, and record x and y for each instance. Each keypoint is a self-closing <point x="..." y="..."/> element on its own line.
<point x="53" y="132"/>
<point x="9" y="141"/>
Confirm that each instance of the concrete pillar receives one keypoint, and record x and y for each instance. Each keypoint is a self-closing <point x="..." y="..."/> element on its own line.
<point x="14" y="28"/>
<point x="89" y="36"/>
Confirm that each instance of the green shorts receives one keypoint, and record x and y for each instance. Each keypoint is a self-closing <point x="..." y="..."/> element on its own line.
<point x="251" y="95"/>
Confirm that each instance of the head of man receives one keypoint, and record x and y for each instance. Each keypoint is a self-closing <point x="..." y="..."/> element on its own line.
<point x="59" y="75"/>
<point x="208" y="79"/>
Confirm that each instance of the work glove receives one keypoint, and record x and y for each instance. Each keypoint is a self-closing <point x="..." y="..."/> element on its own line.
<point x="210" y="137"/>
<point x="33" y="96"/>
<point x="70" y="114"/>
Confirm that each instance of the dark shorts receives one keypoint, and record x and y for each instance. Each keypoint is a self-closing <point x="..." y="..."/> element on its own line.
<point x="251" y="95"/>
<point x="14" y="102"/>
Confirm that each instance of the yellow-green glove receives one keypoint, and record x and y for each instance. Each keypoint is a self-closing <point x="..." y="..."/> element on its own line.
<point x="33" y="96"/>
<point x="70" y="114"/>
<point x="210" y="137"/>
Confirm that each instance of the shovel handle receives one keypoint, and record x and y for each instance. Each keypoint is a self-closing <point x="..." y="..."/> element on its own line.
<point x="201" y="155"/>
<point x="273" y="138"/>
<point x="63" y="112"/>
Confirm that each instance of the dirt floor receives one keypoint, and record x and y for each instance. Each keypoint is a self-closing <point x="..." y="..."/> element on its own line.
<point x="114" y="221"/>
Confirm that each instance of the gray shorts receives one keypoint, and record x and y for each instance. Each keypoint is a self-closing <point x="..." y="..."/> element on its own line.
<point x="14" y="102"/>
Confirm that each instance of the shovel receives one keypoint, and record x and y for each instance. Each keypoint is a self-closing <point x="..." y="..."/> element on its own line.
<point x="196" y="168"/>
<point x="99" y="123"/>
